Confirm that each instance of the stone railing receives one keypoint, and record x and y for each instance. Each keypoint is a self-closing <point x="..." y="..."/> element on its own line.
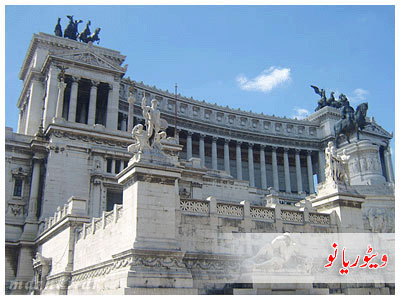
<point x="318" y="218"/>
<point x="292" y="216"/>
<point x="231" y="210"/>
<point x="97" y="224"/>
<point x="262" y="213"/>
<point x="195" y="206"/>
<point x="257" y="213"/>
<point x="74" y="206"/>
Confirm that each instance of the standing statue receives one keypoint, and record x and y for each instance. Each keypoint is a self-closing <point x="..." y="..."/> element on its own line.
<point x="336" y="167"/>
<point x="84" y="35"/>
<point x="57" y="29"/>
<point x="321" y="102"/>
<point x="153" y="121"/>
<point x="155" y="126"/>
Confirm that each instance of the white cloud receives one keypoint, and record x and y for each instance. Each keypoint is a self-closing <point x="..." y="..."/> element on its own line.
<point x="358" y="96"/>
<point x="266" y="81"/>
<point x="300" y="113"/>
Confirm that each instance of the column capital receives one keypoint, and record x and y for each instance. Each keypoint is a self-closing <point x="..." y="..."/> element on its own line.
<point x="214" y="138"/>
<point x="286" y="149"/>
<point x="262" y="147"/>
<point x="94" y="83"/>
<point x="309" y="152"/>
<point x="227" y="140"/>
<point x="297" y="150"/>
<point x="110" y="86"/>
<point x="202" y="135"/>
<point x="238" y="143"/>
<point x="274" y="148"/>
<point x="75" y="79"/>
<point x="190" y="133"/>
<point x="251" y="145"/>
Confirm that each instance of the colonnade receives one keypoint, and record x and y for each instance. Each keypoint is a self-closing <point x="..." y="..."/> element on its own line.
<point x="69" y="112"/>
<point x="260" y="153"/>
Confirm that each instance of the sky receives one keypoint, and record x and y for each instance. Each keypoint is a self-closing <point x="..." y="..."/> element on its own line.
<point x="256" y="58"/>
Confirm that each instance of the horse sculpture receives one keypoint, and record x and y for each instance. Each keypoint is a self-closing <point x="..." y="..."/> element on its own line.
<point x="351" y="122"/>
<point x="84" y="35"/>
<point x="71" y="31"/>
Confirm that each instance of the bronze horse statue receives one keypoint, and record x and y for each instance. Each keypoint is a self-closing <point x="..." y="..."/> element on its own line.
<point x="352" y="122"/>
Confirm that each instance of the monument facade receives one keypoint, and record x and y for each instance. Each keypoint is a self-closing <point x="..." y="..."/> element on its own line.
<point x="105" y="196"/>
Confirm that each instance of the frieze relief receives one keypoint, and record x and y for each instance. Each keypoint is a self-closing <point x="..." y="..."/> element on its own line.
<point x="87" y="139"/>
<point x="380" y="219"/>
<point x="153" y="261"/>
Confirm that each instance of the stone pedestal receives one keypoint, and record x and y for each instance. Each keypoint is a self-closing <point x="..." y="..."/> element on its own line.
<point x="151" y="198"/>
<point x="365" y="164"/>
<point x="344" y="200"/>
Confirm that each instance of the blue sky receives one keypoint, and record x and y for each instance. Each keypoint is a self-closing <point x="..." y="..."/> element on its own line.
<point x="258" y="58"/>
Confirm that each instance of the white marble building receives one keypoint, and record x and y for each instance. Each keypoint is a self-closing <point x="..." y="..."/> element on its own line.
<point x="237" y="172"/>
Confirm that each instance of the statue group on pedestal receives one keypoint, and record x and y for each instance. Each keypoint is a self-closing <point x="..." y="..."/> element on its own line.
<point x="351" y="120"/>
<point x="336" y="167"/>
<point x="155" y="127"/>
<point x="71" y="32"/>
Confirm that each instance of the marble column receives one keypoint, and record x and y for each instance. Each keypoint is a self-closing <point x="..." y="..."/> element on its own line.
<point x="60" y="99"/>
<point x="112" y="106"/>
<point x="123" y="123"/>
<point x="96" y="198"/>
<point x="214" y="157"/>
<point x="275" y="175"/>
<point x="262" y="167"/>
<point x="389" y="165"/>
<point x="35" y="104"/>
<point x="34" y="193"/>
<point x="299" y="178"/>
<point x="288" y="188"/>
<point x="52" y="89"/>
<point x="113" y="166"/>
<point x="189" y="145"/>
<point x="251" y="165"/>
<point x="321" y="165"/>
<point x="20" y="120"/>
<point x="239" y="160"/>
<point x="201" y="150"/>
<point x="73" y="101"/>
<point x="226" y="156"/>
<point x="310" y="172"/>
<point x="92" y="102"/>
<point x="177" y="135"/>
<point x="131" y="101"/>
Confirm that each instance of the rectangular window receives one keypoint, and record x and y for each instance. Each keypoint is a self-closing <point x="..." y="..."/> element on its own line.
<point x="17" y="187"/>
<point x="109" y="163"/>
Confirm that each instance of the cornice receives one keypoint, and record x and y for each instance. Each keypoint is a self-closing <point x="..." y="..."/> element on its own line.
<point x="64" y="43"/>
<point x="215" y="107"/>
<point x="88" y="136"/>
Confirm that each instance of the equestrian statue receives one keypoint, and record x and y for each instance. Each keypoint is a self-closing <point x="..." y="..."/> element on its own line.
<point x="351" y="120"/>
